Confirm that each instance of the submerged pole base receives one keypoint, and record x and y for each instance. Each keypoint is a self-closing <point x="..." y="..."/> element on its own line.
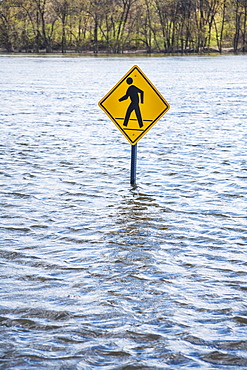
<point x="133" y="165"/>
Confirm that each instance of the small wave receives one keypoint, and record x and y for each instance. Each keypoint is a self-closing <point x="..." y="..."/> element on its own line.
<point x="219" y="358"/>
<point x="26" y="324"/>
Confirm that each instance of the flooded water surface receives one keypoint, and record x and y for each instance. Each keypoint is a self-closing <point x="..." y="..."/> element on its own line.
<point x="96" y="274"/>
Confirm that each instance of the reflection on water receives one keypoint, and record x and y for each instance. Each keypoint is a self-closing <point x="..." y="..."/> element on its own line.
<point x="95" y="273"/>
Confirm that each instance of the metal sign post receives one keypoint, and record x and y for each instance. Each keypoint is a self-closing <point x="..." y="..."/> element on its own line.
<point x="133" y="165"/>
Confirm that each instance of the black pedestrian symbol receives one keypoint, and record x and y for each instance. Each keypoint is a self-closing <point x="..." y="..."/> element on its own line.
<point x="133" y="93"/>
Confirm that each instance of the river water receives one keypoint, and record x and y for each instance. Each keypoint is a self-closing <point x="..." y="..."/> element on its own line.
<point x="96" y="274"/>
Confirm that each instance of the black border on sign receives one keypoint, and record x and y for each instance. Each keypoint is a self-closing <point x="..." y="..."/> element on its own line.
<point x="101" y="102"/>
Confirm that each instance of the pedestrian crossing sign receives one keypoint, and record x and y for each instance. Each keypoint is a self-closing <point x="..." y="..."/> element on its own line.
<point x="134" y="105"/>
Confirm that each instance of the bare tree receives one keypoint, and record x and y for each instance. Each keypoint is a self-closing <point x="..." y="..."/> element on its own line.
<point x="62" y="9"/>
<point x="6" y="26"/>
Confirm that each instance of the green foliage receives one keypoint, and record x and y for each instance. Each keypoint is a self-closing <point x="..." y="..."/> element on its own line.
<point x="117" y="26"/>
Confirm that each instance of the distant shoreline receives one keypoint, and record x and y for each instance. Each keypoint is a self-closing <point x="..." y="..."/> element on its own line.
<point x="127" y="53"/>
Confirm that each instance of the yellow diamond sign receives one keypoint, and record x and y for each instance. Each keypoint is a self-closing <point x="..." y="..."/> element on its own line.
<point x="134" y="105"/>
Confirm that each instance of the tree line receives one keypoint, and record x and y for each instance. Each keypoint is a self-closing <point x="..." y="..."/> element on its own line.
<point x="117" y="26"/>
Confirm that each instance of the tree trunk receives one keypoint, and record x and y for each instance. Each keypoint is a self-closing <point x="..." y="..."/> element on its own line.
<point x="237" y="27"/>
<point x="222" y="26"/>
<point x="95" y="40"/>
